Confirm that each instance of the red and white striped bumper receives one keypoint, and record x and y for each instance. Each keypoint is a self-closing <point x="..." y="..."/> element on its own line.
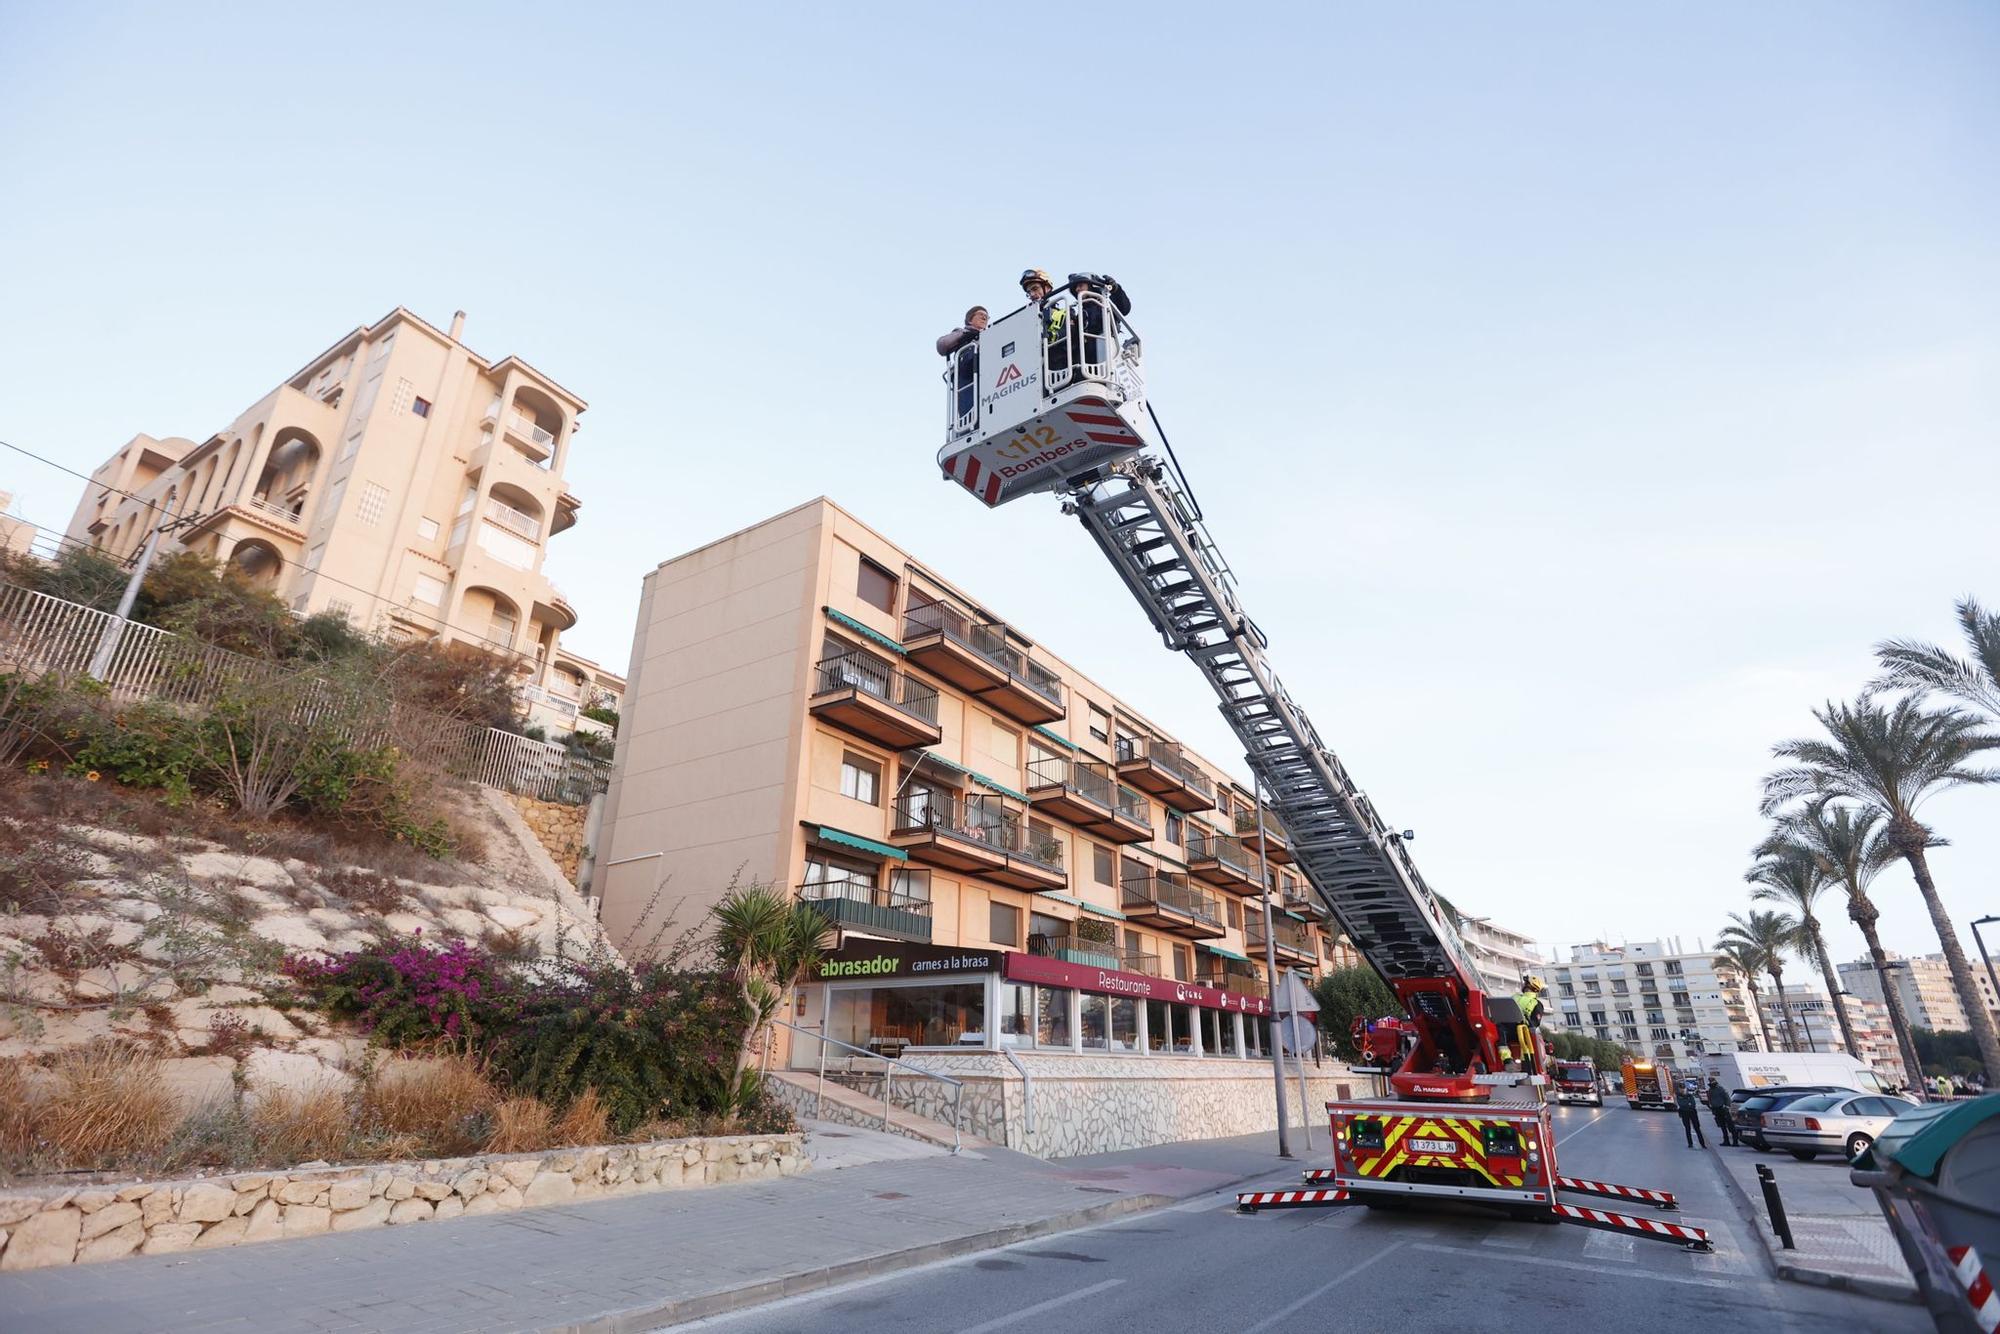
<point x="1612" y="1190"/>
<point x="1635" y="1226"/>
<point x="1250" y="1201"/>
<point x="1978" y="1285"/>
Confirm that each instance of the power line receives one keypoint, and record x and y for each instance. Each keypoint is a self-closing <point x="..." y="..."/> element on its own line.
<point x="28" y="453"/>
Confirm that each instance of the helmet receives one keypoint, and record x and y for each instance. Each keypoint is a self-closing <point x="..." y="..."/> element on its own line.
<point x="1036" y="275"/>
<point x="1529" y="982"/>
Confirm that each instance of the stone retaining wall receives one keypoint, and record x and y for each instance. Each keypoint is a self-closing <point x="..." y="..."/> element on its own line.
<point x="59" y="1226"/>
<point x="558" y="828"/>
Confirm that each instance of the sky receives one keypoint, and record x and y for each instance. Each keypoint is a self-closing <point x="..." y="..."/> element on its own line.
<point x="1578" y="391"/>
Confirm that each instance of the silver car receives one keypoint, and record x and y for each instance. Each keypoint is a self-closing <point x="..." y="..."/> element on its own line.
<point x="1844" y="1123"/>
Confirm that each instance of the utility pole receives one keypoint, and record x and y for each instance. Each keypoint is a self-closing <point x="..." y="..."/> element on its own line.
<point x="1271" y="980"/>
<point x="114" y="634"/>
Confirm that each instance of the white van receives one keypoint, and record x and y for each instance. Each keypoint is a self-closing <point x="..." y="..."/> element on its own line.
<point x="1762" y="1069"/>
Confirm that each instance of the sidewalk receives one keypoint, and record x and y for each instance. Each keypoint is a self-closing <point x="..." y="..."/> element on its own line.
<point x="1843" y="1240"/>
<point x="628" y="1264"/>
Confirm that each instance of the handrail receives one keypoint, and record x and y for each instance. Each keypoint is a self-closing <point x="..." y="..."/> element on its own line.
<point x="957" y="1085"/>
<point x="1027" y="1088"/>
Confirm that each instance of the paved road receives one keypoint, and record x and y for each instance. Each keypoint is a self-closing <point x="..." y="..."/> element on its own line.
<point x="1202" y="1267"/>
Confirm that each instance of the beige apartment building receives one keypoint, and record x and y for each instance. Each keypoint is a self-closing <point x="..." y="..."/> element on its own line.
<point x="1924" y="986"/>
<point x="1017" y="861"/>
<point x="1656" y="997"/>
<point x="399" y="479"/>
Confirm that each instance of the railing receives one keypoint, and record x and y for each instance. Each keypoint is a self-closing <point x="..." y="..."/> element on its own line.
<point x="986" y="638"/>
<point x="1133" y="806"/>
<point x="1140" y="961"/>
<point x="45" y="636"/>
<point x="1246" y="823"/>
<point x="1242" y="983"/>
<point x="562" y="704"/>
<point x="1097" y="344"/>
<point x="516" y="521"/>
<point x="872" y="676"/>
<point x="521" y="424"/>
<point x="1224" y="848"/>
<point x="861" y="891"/>
<point x="282" y="512"/>
<point x="1163" y="889"/>
<point x="1087" y="780"/>
<point x="1286" y="934"/>
<point x="1072" y="948"/>
<point x="1163" y="754"/>
<point x="890" y="1065"/>
<point x="983" y="820"/>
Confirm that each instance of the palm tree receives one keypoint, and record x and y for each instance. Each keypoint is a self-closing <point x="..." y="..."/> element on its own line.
<point x="768" y="943"/>
<point x="1909" y="664"/>
<point x="1768" y="935"/>
<point x="1849" y="844"/>
<point x="1797" y="881"/>
<point x="1894" y="758"/>
<point x="1745" y="961"/>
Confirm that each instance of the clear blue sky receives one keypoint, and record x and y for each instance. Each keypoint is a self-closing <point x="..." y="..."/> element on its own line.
<point x="1579" y="390"/>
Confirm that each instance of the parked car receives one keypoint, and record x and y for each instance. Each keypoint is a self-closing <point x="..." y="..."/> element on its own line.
<point x="1841" y="1123"/>
<point x="1749" y="1114"/>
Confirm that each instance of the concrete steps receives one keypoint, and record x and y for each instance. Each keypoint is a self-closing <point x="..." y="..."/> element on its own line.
<point x="845" y="1106"/>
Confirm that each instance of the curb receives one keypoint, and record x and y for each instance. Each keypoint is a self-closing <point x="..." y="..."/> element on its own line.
<point x="1807" y="1275"/>
<point x="635" y="1320"/>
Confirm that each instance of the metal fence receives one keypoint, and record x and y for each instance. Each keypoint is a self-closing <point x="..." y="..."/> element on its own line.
<point x="42" y="635"/>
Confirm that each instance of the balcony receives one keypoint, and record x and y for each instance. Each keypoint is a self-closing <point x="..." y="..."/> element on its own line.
<point x="1270" y="836"/>
<point x="1161" y="769"/>
<point x="1289" y="939"/>
<point x="1072" y="948"/>
<point x="871" y="699"/>
<point x="1222" y="861"/>
<point x="977" y="835"/>
<point x="975" y="657"/>
<point x="1166" y="900"/>
<point x="1243" y="982"/>
<point x="1302" y="898"/>
<point x="528" y="437"/>
<point x="876" y="911"/>
<point x="1083" y="793"/>
<point x="291" y="516"/>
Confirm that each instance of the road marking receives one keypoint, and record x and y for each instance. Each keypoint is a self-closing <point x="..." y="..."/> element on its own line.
<point x="1596" y="1116"/>
<point x="1015" y="1317"/>
<point x="1320" y="1291"/>
<point x="1620" y="1272"/>
<point x="1610" y="1246"/>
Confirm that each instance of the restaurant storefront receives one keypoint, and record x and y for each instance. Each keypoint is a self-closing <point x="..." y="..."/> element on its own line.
<point x="889" y="997"/>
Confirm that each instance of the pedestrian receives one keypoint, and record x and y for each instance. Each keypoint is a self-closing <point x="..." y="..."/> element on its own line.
<point x="1690" y="1111"/>
<point x="1942" y="1087"/>
<point x="962" y="346"/>
<point x="1725" y="1125"/>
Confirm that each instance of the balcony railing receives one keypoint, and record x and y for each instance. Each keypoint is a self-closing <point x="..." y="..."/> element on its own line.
<point x="1004" y="667"/>
<point x="521" y="424"/>
<point x="283" y="513"/>
<point x="1242" y="983"/>
<point x="1246" y="825"/>
<point x="1087" y="780"/>
<point x="1072" y="948"/>
<point x="987" y="822"/>
<point x="1285" y="934"/>
<point x="872" y="676"/>
<point x="519" y="522"/>
<point x="1163" y="890"/>
<point x="866" y="907"/>
<point x="1223" y="848"/>
<point x="1140" y="961"/>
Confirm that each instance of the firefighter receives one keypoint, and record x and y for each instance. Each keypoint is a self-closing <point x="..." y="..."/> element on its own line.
<point x="1530" y="1001"/>
<point x="1088" y="345"/>
<point x="1057" y="321"/>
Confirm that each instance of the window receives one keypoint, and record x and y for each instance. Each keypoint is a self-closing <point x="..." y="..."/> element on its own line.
<point x="1597" y="1018"/>
<point x="1016" y="1024"/>
<point x="1128" y="745"/>
<point x="1101" y="869"/>
<point x="373" y="501"/>
<point x="1100" y="724"/>
<point x="506" y="548"/>
<point x="876" y="586"/>
<point x="1159" y="1027"/>
<point x="421" y="406"/>
<point x="1004" y="925"/>
<point x="405" y="391"/>
<point x="911" y="888"/>
<point x="1124" y="1024"/>
<point x="429" y="590"/>
<point x="1626" y="1017"/>
<point x="951" y="1015"/>
<point x="427" y="529"/>
<point x="314" y="556"/>
<point x="860" y="779"/>
<point x="1236" y="914"/>
<point x="833" y="876"/>
<point x="500" y="630"/>
<point x="1176" y="828"/>
<point x="1181" y="967"/>
<point x="1094" y="1022"/>
<point x="1052" y="1016"/>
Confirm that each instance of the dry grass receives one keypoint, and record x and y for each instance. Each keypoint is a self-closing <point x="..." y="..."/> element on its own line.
<point x="108" y="1104"/>
<point x="365" y="888"/>
<point x="19" y="1098"/>
<point x="439" y="1101"/>
<point x="298" y="1126"/>
<point x="584" y="1121"/>
<point x="521" y="1125"/>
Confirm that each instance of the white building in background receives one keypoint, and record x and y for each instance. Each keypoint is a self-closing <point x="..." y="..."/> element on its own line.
<point x="1924" y="985"/>
<point x="1819" y="1029"/>
<point x="1503" y="956"/>
<point x="1656" y="997"/>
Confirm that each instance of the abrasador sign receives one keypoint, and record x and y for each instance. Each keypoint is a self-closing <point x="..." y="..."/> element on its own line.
<point x="888" y="958"/>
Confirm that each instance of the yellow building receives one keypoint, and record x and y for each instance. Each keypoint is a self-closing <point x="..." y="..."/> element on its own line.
<point x="398" y="478"/>
<point x="1016" y="859"/>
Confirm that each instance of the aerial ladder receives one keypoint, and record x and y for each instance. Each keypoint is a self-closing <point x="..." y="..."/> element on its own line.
<point x="1065" y="412"/>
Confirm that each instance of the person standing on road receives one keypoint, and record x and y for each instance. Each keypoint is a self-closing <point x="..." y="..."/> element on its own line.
<point x="1718" y="1102"/>
<point x="1942" y="1087"/>
<point x="1690" y="1111"/>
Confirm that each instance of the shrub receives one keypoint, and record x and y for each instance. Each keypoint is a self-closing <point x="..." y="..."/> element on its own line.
<point x="407" y="993"/>
<point x="146" y="745"/>
<point x="299" y="1125"/>
<point x="108" y="1104"/>
<point x="442" y="1103"/>
<point x="521" y="1125"/>
<point x="584" y="1121"/>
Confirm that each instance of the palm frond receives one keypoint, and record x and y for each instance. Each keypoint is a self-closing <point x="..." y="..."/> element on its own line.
<point x="1909" y="664"/>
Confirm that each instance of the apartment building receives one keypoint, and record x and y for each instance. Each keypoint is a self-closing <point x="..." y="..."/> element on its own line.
<point x="1657" y="998"/>
<point x="1815" y="1027"/>
<point x="1925" y="988"/>
<point x="17" y="535"/>
<point x="1016" y="859"/>
<point x="1502" y="955"/>
<point x="399" y="479"/>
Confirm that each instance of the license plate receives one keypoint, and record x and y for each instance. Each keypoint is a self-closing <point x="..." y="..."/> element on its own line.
<point x="1781" y="1123"/>
<point x="1434" y="1145"/>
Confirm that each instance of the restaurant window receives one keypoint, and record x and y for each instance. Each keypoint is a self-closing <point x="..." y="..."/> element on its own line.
<point x="1100" y="724"/>
<point x="1052" y="1016"/>
<point x="1094" y="1021"/>
<point x="1253" y="1036"/>
<point x="1185" y="1029"/>
<point x="1159" y="1027"/>
<point x="1004" y="925"/>
<point x="951" y="1015"/>
<point x="1218" y="1033"/>
<point x="1101" y="868"/>
<point x="876" y="586"/>
<point x="1124" y="1024"/>
<point x="860" y="779"/>
<point x="1015" y="1026"/>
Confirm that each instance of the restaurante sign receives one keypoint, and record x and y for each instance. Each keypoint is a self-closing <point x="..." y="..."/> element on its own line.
<point x="1111" y="982"/>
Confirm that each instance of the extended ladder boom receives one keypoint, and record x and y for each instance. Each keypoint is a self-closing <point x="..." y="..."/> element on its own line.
<point x="1361" y="870"/>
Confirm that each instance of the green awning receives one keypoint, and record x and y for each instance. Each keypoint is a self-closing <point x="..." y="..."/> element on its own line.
<point x="1075" y="902"/>
<point x="865" y="631"/>
<point x="1294" y="916"/>
<point x="846" y="839"/>
<point x="1001" y="788"/>
<point x="1059" y="740"/>
<point x="1227" y="954"/>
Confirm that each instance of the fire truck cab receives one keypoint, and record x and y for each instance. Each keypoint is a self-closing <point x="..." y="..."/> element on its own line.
<point x="1045" y="393"/>
<point x="1576" y="1081"/>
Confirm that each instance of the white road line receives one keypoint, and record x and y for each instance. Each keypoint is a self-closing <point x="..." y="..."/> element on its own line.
<point x="1597" y="1116"/>
<point x="1621" y="1272"/>
<point x="1015" y="1317"/>
<point x="1610" y="1246"/>
<point x="1320" y="1291"/>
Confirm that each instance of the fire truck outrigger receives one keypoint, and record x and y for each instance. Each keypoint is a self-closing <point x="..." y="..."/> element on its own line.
<point x="1068" y="415"/>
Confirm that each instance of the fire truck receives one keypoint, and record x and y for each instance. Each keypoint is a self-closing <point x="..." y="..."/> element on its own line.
<point x="1575" y="1081"/>
<point x="1649" y="1086"/>
<point x="1051" y="398"/>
